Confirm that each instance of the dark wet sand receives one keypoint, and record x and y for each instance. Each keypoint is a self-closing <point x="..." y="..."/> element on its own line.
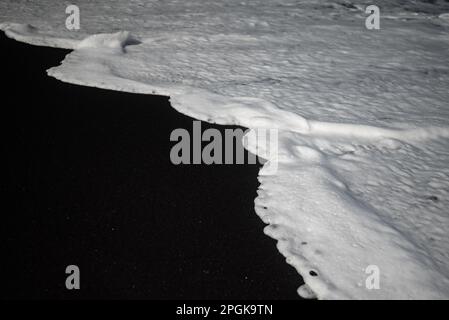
<point x="89" y="182"/>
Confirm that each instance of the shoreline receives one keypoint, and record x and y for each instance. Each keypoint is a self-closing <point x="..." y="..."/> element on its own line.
<point x="89" y="187"/>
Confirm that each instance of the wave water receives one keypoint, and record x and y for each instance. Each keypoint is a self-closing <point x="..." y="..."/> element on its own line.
<point x="362" y="115"/>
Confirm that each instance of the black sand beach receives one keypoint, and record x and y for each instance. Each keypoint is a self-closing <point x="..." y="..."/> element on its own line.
<point x="89" y="182"/>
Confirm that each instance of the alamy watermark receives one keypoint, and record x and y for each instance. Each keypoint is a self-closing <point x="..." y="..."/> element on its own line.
<point x="372" y="281"/>
<point x="212" y="147"/>
<point x="73" y="280"/>
<point x="72" y="22"/>
<point x="373" y="20"/>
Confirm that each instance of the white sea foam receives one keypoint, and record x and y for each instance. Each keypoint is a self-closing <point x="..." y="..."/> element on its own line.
<point x="363" y="174"/>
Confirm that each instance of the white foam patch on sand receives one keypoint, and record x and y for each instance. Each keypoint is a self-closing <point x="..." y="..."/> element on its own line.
<point x="363" y="174"/>
<point x="29" y="34"/>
